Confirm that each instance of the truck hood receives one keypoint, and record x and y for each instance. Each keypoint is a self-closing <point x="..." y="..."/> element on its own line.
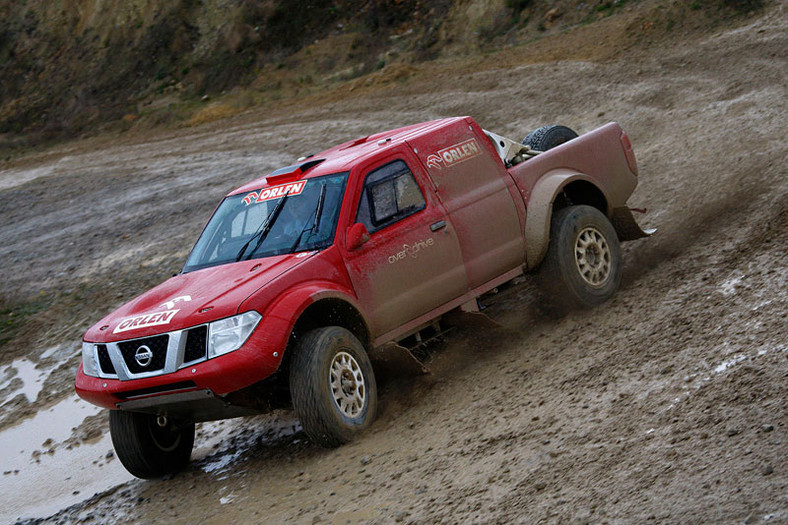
<point x="192" y="298"/>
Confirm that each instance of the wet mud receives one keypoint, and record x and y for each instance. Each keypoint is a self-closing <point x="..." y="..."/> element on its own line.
<point x="667" y="403"/>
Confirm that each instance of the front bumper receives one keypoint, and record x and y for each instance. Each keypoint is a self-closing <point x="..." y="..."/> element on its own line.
<point x="256" y="360"/>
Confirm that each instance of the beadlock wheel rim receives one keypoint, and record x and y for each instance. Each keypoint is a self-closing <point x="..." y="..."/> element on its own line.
<point x="348" y="387"/>
<point x="592" y="256"/>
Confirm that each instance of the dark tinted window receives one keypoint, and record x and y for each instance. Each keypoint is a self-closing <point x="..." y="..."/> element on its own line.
<point x="390" y="194"/>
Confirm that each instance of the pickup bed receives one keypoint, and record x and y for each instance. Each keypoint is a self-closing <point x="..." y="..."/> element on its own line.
<point x="302" y="274"/>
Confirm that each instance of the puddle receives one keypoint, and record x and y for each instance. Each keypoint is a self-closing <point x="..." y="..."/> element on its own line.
<point x="38" y="479"/>
<point x="39" y="487"/>
<point x="32" y="378"/>
<point x="62" y="352"/>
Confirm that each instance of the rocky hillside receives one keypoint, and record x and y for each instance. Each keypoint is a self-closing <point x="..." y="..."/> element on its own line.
<point x="67" y="66"/>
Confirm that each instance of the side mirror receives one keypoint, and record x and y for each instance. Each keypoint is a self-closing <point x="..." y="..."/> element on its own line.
<point x="356" y="236"/>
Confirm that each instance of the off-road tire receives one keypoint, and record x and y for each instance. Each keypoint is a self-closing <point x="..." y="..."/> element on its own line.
<point x="582" y="267"/>
<point x="146" y="449"/>
<point x="547" y="137"/>
<point x="328" y="368"/>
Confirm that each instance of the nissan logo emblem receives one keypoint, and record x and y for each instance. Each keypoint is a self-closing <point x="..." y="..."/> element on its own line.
<point x="143" y="356"/>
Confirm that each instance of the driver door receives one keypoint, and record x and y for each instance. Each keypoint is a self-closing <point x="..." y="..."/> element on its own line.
<point x="412" y="262"/>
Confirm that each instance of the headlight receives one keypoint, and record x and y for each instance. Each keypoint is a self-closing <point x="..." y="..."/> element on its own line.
<point x="89" y="361"/>
<point x="227" y="335"/>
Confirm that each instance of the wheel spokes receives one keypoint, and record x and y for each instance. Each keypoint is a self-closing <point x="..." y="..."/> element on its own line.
<point x="592" y="255"/>
<point x="347" y="384"/>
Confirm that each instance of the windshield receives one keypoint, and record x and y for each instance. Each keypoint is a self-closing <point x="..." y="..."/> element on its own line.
<point x="275" y="220"/>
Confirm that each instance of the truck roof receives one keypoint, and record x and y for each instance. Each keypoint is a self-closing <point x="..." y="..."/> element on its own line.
<point x="343" y="156"/>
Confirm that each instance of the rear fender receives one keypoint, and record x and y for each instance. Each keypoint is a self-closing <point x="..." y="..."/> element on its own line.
<point x="540" y="210"/>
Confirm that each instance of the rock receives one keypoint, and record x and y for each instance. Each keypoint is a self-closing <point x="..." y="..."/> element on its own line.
<point x="552" y="14"/>
<point x="767" y="427"/>
<point x="732" y="431"/>
<point x="365" y="460"/>
<point x="767" y="469"/>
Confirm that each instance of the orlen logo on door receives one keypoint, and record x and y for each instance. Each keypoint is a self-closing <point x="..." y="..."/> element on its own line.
<point x="454" y="154"/>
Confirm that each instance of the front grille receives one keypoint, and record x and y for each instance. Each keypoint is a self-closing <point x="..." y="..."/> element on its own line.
<point x="132" y="352"/>
<point x="104" y="361"/>
<point x="196" y="343"/>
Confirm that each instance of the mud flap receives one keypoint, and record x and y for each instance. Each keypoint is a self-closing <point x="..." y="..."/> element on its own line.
<point x="395" y="359"/>
<point x="627" y="227"/>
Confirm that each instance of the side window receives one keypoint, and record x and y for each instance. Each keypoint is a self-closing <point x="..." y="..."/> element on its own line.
<point x="390" y="194"/>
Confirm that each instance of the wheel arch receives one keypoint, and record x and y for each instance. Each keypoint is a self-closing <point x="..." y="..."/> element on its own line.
<point x="333" y="311"/>
<point x="553" y="192"/>
<point x="325" y="308"/>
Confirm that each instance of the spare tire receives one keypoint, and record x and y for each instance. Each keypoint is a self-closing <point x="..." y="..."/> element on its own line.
<point x="547" y="137"/>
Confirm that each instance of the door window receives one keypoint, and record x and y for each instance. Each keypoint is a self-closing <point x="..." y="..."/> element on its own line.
<point x="390" y="194"/>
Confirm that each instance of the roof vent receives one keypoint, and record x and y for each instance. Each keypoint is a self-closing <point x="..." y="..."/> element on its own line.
<point x="293" y="171"/>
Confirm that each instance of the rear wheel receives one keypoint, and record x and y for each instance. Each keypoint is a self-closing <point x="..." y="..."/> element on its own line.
<point x="150" y="446"/>
<point x="332" y="385"/>
<point x="547" y="137"/>
<point x="582" y="267"/>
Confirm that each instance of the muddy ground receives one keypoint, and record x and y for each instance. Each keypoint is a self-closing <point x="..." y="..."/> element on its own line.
<point x="666" y="404"/>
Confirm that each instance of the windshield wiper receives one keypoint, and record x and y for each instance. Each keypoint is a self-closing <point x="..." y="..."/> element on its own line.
<point x="315" y="223"/>
<point x="262" y="231"/>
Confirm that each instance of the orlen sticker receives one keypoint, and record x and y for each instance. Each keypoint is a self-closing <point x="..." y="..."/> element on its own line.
<point x="143" y="321"/>
<point x="454" y="154"/>
<point x="274" y="192"/>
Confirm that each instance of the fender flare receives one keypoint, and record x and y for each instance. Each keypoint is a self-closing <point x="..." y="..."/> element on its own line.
<point x="540" y="211"/>
<point x="296" y="301"/>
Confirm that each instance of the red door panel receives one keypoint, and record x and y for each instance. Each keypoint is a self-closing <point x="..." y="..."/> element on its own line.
<point x="411" y="266"/>
<point x="471" y="184"/>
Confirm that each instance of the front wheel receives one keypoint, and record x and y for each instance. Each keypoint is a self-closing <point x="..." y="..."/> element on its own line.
<point x="150" y="446"/>
<point x="332" y="385"/>
<point x="582" y="267"/>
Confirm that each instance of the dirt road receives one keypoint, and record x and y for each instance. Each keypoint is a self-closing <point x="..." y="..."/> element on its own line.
<point x="668" y="403"/>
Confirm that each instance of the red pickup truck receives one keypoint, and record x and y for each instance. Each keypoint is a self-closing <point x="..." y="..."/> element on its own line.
<point x="300" y="274"/>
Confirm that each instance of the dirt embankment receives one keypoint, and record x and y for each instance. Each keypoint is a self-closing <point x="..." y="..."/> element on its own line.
<point x="665" y="404"/>
<point x="84" y="66"/>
